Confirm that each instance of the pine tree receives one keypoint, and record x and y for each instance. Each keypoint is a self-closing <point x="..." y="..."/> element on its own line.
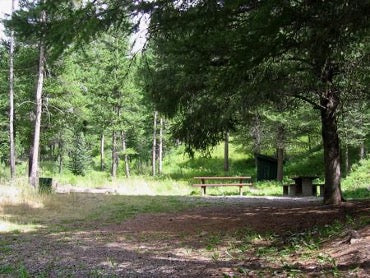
<point x="79" y="157"/>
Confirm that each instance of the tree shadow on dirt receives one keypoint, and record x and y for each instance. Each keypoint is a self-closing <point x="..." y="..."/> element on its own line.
<point x="162" y="244"/>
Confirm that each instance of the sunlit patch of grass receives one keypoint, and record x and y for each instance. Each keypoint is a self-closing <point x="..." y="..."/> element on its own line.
<point x="357" y="183"/>
<point x="25" y="210"/>
<point x="7" y="226"/>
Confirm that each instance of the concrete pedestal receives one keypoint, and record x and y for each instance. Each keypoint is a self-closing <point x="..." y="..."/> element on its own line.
<point x="307" y="187"/>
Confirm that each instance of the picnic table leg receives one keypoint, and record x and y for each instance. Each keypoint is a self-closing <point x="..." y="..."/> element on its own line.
<point x="241" y="190"/>
<point x="203" y="187"/>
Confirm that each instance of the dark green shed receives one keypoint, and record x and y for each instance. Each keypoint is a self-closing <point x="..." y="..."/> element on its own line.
<point x="266" y="167"/>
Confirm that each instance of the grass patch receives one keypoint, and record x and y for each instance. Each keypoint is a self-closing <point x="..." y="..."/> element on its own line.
<point x="27" y="211"/>
<point x="357" y="184"/>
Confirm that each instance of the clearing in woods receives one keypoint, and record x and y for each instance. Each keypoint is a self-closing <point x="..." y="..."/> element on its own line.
<point x="97" y="235"/>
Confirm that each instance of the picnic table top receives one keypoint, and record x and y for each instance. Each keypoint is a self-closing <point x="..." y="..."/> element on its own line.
<point x="222" y="178"/>
<point x="304" y="177"/>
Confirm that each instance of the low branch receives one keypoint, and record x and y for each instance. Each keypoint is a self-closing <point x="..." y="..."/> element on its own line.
<point x="314" y="104"/>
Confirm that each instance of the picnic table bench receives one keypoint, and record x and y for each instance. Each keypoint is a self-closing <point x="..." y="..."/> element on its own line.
<point x="303" y="186"/>
<point x="240" y="184"/>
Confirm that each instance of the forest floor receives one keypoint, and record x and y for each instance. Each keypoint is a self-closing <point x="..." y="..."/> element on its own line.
<point x="209" y="237"/>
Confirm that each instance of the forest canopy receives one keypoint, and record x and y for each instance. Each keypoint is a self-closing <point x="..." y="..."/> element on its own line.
<point x="212" y="67"/>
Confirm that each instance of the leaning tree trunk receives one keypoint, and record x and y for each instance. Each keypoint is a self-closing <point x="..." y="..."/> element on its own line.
<point x="329" y="102"/>
<point x="154" y="142"/>
<point x="226" y="152"/>
<point x="125" y="155"/>
<point x="11" y="103"/>
<point x="36" y="138"/>
<point x="160" y="147"/>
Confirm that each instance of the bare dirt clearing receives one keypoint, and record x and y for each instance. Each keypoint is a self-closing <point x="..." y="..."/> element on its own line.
<point x="245" y="237"/>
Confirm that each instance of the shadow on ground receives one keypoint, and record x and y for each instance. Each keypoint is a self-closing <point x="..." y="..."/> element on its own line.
<point x="179" y="244"/>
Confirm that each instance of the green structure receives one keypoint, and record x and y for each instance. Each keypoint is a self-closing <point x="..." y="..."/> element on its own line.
<point x="266" y="167"/>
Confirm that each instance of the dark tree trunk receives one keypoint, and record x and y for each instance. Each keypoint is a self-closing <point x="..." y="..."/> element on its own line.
<point x="346" y="159"/>
<point x="329" y="102"/>
<point x="362" y="150"/>
<point x="226" y="153"/>
<point x="280" y="166"/>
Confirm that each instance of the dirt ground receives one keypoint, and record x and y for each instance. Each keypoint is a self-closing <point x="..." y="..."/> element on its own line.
<point x="201" y="242"/>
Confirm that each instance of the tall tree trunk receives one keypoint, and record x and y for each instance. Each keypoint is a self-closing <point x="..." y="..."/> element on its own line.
<point x="30" y="156"/>
<point x="114" y="155"/>
<point x="280" y="152"/>
<point x="37" y="129"/>
<point x="160" y="151"/>
<point x="102" y="166"/>
<point x="226" y="152"/>
<point x="346" y="159"/>
<point x="280" y="164"/>
<point x="154" y="142"/>
<point x="127" y="166"/>
<point x="332" y="193"/>
<point x="362" y="150"/>
<point x="60" y="154"/>
<point x="11" y="103"/>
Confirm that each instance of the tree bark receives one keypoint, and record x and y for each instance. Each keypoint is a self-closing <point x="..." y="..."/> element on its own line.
<point x="127" y="166"/>
<point x="226" y="152"/>
<point x="11" y="103"/>
<point x="329" y="101"/>
<point x="102" y="165"/>
<point x="280" y="166"/>
<point x="154" y="142"/>
<point x="346" y="159"/>
<point x="160" y="150"/>
<point x="37" y="129"/>
<point x="114" y="155"/>
<point x="60" y="155"/>
<point x="362" y="150"/>
<point x="280" y="152"/>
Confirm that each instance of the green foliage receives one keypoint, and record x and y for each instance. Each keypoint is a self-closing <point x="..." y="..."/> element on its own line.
<point x="79" y="158"/>
<point x="356" y="184"/>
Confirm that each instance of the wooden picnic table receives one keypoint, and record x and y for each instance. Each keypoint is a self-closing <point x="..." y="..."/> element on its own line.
<point x="204" y="184"/>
